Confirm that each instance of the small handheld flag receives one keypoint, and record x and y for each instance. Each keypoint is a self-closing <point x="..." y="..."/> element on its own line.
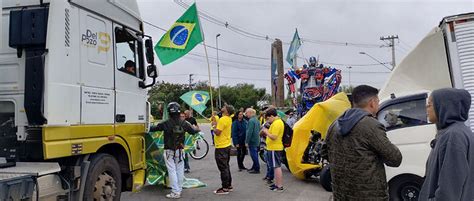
<point x="196" y="99"/>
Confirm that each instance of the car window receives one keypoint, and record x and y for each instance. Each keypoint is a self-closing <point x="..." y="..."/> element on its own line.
<point x="404" y="114"/>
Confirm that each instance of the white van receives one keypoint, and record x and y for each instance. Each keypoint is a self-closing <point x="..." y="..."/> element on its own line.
<point x="444" y="58"/>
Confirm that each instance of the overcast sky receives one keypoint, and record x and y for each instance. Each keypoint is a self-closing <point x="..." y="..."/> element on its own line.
<point x="352" y="21"/>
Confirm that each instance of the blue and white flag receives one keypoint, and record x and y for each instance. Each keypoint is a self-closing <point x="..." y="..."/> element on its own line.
<point x="294" y="46"/>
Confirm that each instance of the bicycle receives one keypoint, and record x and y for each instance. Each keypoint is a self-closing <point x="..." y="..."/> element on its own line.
<point x="202" y="148"/>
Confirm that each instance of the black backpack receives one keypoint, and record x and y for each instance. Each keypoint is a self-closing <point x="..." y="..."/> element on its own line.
<point x="287" y="135"/>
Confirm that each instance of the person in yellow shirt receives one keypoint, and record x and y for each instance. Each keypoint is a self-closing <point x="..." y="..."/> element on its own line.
<point x="222" y="153"/>
<point x="214" y="119"/>
<point x="275" y="146"/>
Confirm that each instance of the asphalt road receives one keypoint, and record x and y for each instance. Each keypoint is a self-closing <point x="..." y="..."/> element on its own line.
<point x="246" y="186"/>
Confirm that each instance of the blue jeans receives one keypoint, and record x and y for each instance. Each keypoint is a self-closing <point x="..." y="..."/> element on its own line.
<point x="270" y="170"/>
<point x="253" y="150"/>
<point x="186" y="162"/>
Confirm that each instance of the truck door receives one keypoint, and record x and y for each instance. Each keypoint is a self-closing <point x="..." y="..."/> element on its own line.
<point x="130" y="98"/>
<point x="97" y="98"/>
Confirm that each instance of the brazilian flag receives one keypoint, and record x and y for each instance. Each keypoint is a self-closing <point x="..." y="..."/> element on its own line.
<point x="196" y="99"/>
<point x="181" y="38"/>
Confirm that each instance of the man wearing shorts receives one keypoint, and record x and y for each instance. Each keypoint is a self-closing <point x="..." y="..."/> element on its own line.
<point x="275" y="147"/>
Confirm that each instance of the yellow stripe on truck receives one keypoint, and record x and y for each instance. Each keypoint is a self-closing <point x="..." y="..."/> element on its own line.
<point x="64" y="141"/>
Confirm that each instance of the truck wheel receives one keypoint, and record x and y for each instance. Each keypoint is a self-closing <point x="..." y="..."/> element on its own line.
<point x="104" y="180"/>
<point x="325" y="178"/>
<point x="406" y="187"/>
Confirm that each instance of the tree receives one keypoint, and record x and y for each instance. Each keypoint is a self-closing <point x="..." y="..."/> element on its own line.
<point x="346" y="89"/>
<point x="240" y="96"/>
<point x="164" y="93"/>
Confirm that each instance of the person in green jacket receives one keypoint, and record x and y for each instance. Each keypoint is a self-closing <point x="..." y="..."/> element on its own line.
<point x="252" y="139"/>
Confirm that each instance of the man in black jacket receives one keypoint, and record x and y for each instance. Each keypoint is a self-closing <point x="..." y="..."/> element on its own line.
<point x="358" y="149"/>
<point x="174" y="130"/>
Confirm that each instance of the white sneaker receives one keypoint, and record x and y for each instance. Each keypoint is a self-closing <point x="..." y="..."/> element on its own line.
<point x="174" y="195"/>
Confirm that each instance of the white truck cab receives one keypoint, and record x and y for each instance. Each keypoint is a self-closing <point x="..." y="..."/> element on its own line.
<point x="73" y="98"/>
<point x="444" y="58"/>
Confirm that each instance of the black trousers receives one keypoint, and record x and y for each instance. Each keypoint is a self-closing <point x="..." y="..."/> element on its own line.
<point x="222" y="156"/>
<point x="241" y="151"/>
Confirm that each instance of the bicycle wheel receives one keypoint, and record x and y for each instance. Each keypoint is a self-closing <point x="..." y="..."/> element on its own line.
<point x="202" y="148"/>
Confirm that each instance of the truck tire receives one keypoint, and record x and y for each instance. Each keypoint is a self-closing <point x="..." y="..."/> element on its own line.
<point x="406" y="187"/>
<point x="104" y="180"/>
<point x="325" y="178"/>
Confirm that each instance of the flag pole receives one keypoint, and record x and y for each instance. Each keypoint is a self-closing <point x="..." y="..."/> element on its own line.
<point x="209" y="72"/>
<point x="207" y="60"/>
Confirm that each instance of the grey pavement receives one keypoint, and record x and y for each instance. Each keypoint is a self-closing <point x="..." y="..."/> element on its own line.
<point x="246" y="186"/>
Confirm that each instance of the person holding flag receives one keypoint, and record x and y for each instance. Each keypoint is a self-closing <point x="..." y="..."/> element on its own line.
<point x="222" y="153"/>
<point x="174" y="130"/>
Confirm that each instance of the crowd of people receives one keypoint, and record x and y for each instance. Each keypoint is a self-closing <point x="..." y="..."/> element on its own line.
<point x="356" y="147"/>
<point x="244" y="131"/>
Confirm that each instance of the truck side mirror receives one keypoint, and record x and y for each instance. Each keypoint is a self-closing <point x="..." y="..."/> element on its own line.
<point x="149" y="52"/>
<point x="151" y="71"/>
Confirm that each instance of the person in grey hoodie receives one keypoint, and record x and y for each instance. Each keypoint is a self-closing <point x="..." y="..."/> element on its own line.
<point x="450" y="166"/>
<point x="357" y="149"/>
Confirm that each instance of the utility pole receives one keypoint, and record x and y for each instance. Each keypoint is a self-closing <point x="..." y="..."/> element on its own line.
<point x="191" y="82"/>
<point x="392" y="44"/>
<point x="278" y="94"/>
<point x="350" y="83"/>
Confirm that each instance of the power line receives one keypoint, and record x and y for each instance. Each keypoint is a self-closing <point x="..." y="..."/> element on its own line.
<point x="239" y="54"/>
<point x="212" y="47"/>
<point x="258" y="36"/>
<point x="342" y="64"/>
<point x="406" y="44"/>
<point x="209" y="18"/>
<point x="155" y="26"/>
<point x="229" y="60"/>
<point x="227" y="77"/>
<point x="333" y="43"/>
<point x="403" y="48"/>
<point x="241" y="78"/>
<point x="227" y="65"/>
<point x="263" y="58"/>
<point x="400" y="50"/>
<point x="353" y="65"/>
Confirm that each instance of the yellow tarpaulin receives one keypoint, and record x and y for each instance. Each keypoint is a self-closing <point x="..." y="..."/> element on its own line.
<point x="319" y="118"/>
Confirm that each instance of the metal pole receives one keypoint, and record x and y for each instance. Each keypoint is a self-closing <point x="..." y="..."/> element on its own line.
<point x="350" y="83"/>
<point x="218" y="72"/>
<point x="190" y="82"/>
<point x="392" y="45"/>
<point x="393" y="51"/>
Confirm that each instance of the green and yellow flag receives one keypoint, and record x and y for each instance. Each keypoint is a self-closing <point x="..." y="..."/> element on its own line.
<point x="196" y="99"/>
<point x="181" y="38"/>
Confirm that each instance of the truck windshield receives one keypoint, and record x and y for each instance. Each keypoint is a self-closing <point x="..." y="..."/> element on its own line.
<point x="404" y="114"/>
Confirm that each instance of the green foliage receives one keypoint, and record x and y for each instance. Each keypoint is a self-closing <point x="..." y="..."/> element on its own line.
<point x="346" y="89"/>
<point x="240" y="96"/>
<point x="164" y="93"/>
